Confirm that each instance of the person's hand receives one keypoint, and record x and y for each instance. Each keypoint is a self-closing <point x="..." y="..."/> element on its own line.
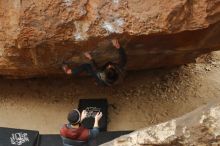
<point x="67" y="70"/>
<point x="116" y="43"/>
<point x="83" y="115"/>
<point x="88" y="55"/>
<point x="98" y="116"/>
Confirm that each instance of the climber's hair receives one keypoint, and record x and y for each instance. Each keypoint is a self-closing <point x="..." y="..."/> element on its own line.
<point x="111" y="75"/>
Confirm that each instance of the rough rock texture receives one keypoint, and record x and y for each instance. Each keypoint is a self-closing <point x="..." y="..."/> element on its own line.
<point x="36" y="36"/>
<point x="198" y="128"/>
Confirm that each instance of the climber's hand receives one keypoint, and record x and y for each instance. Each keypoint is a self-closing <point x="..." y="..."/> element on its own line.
<point x="69" y="71"/>
<point x="116" y="43"/>
<point x="66" y="69"/>
<point x="88" y="55"/>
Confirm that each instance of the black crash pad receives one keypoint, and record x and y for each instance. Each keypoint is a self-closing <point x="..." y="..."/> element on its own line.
<point x="18" y="137"/>
<point x="93" y="106"/>
<point x="50" y="140"/>
<point x="103" y="137"/>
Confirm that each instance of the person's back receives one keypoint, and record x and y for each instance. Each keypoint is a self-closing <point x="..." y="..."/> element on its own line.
<point x="78" y="136"/>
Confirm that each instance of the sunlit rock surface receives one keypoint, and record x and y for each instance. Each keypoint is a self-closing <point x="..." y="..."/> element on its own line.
<point x="198" y="128"/>
<point x="36" y="36"/>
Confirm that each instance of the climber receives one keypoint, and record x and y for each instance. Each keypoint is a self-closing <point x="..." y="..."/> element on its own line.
<point x="107" y="75"/>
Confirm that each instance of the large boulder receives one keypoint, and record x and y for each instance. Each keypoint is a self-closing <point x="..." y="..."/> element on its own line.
<point x="198" y="128"/>
<point x="36" y="36"/>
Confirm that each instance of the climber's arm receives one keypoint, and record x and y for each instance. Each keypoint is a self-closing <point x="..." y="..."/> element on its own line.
<point x="123" y="57"/>
<point x="122" y="54"/>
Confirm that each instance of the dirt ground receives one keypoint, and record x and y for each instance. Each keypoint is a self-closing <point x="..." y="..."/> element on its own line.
<point x="146" y="97"/>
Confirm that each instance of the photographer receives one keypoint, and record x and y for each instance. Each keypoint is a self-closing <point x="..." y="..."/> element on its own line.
<point x="74" y="135"/>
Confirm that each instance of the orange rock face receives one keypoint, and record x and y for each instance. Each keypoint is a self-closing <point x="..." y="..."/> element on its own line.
<point x="36" y="36"/>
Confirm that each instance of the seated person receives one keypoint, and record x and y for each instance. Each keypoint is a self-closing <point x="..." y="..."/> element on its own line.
<point x="74" y="135"/>
<point x="107" y="75"/>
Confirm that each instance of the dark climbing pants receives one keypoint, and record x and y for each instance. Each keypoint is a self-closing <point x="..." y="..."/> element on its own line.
<point x="87" y="68"/>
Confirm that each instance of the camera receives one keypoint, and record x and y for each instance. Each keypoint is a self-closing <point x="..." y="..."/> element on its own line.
<point x="92" y="111"/>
